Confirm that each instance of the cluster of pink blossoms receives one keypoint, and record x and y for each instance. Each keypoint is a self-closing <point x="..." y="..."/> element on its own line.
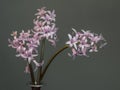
<point x="45" y="25"/>
<point x="84" y="42"/>
<point x="26" y="43"/>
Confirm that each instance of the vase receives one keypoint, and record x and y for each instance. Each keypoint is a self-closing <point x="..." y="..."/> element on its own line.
<point x="36" y="87"/>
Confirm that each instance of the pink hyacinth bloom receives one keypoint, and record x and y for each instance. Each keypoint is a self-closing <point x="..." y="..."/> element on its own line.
<point x="49" y="17"/>
<point x="72" y="41"/>
<point x="15" y="43"/>
<point x="52" y="15"/>
<point x="29" y="55"/>
<point x="44" y="26"/>
<point x="48" y="31"/>
<point x="24" y="35"/>
<point x="84" y="42"/>
<point x="25" y="45"/>
<point x="38" y="25"/>
<point x="40" y="12"/>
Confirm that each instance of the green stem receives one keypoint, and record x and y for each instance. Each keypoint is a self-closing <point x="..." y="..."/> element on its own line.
<point x="31" y="73"/>
<point x="41" y="59"/>
<point x="51" y="59"/>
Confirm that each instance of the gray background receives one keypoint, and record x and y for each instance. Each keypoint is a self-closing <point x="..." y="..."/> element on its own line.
<point x="101" y="71"/>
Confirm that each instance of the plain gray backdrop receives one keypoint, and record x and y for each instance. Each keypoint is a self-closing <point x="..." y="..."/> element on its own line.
<point x="101" y="71"/>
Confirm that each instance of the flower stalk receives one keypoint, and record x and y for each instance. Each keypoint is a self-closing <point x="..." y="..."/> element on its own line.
<point x="42" y="50"/>
<point x="51" y="59"/>
<point x="31" y="73"/>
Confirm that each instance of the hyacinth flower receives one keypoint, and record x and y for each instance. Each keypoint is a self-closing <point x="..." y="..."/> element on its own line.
<point x="26" y="44"/>
<point x="44" y="25"/>
<point x="83" y="42"/>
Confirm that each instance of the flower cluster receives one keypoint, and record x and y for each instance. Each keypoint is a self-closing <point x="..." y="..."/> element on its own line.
<point x="45" y="25"/>
<point x="83" y="42"/>
<point x="25" y="46"/>
<point x="26" y="43"/>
